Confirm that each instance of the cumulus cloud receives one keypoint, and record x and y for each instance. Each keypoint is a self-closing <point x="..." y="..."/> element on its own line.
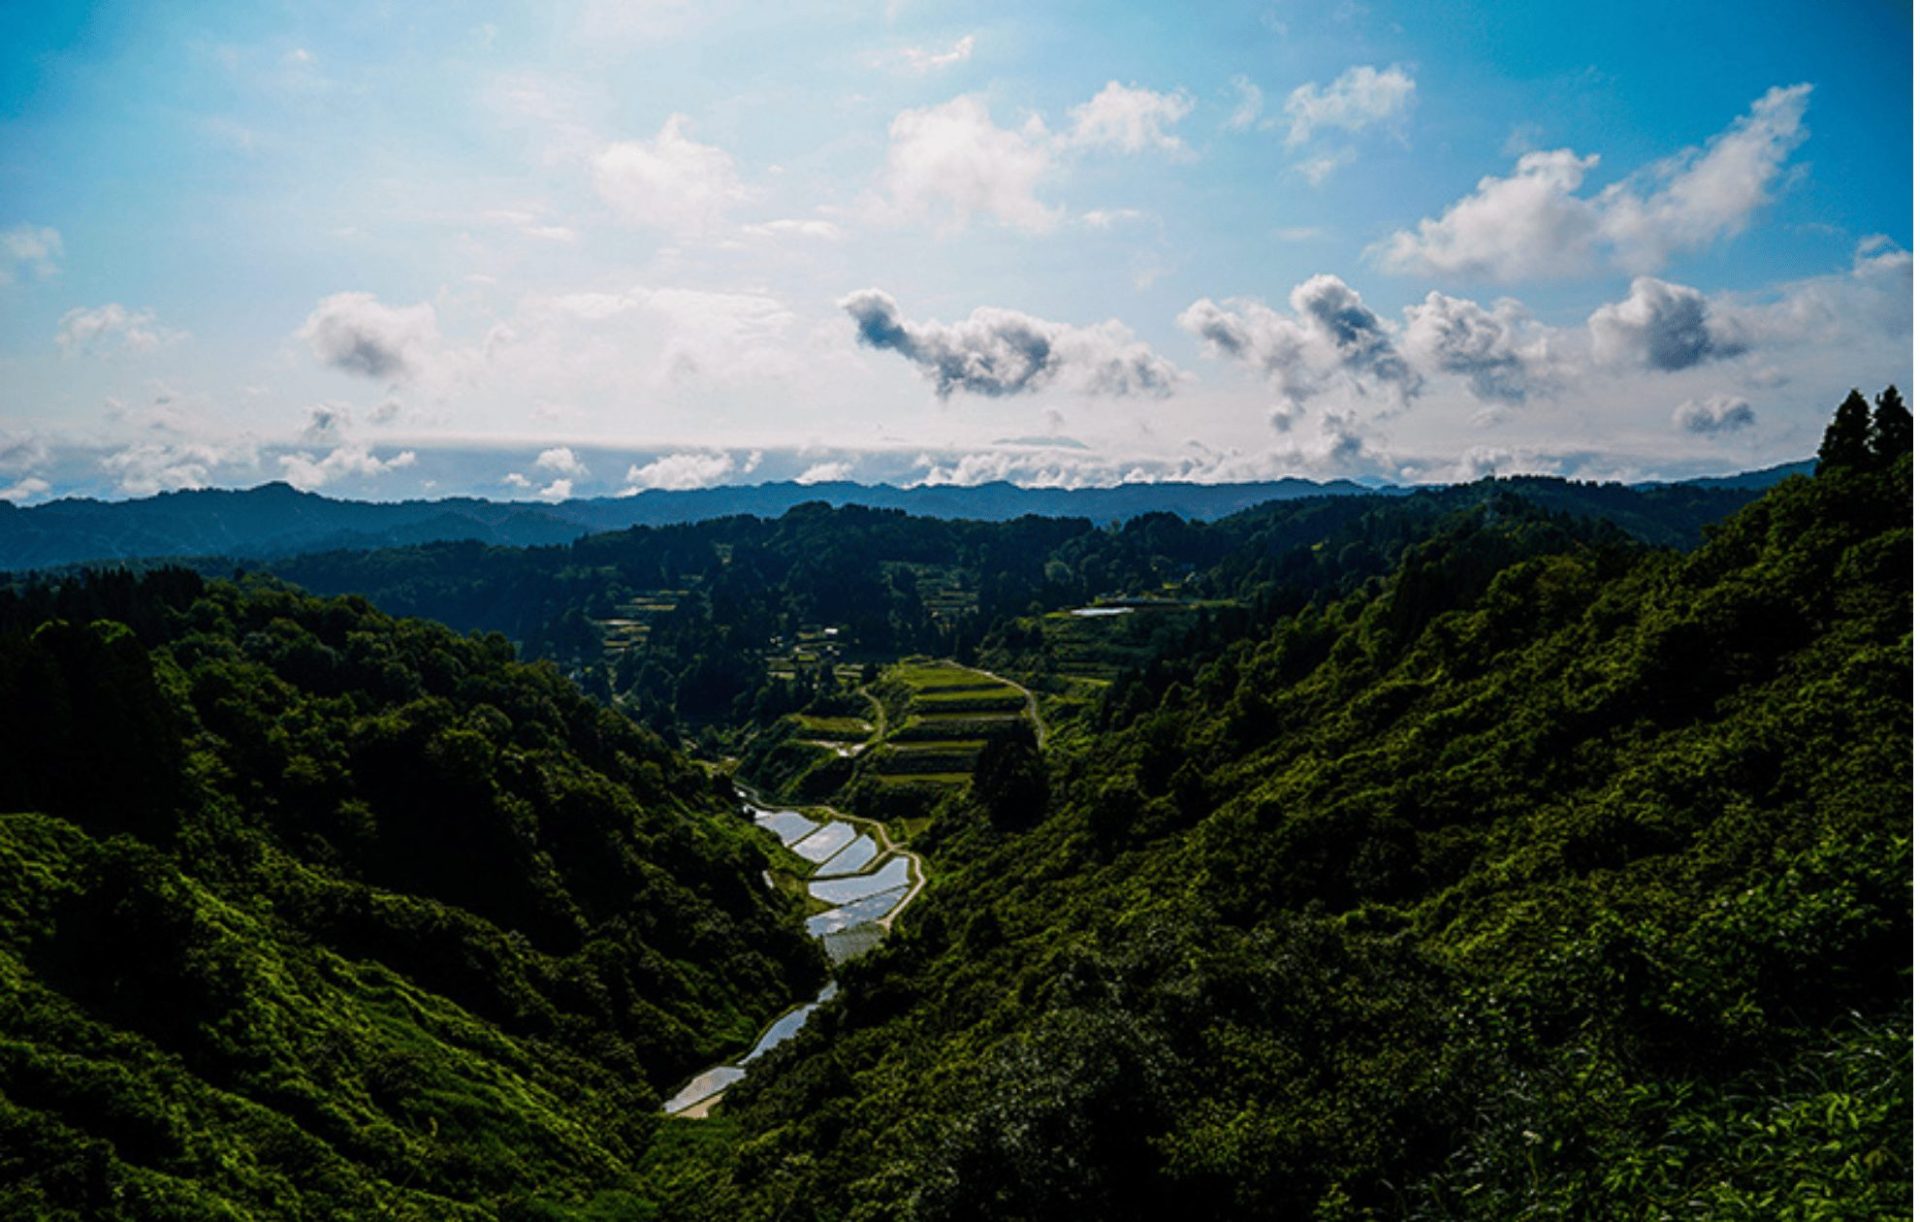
<point x="112" y="325"/>
<point x="23" y="490"/>
<point x="1358" y="98"/>
<point x="1874" y="298"/>
<point x="1502" y="353"/>
<point x="355" y="333"/>
<point x="307" y="473"/>
<point x="1532" y="224"/>
<point x="951" y="162"/>
<point x="1714" y="414"/>
<point x="561" y="461"/>
<point x="1527" y="225"/>
<point x="1129" y="119"/>
<point x="678" y="472"/>
<point x="1004" y="352"/>
<point x="21" y="452"/>
<point x="148" y="467"/>
<point x="1701" y="196"/>
<point x="327" y="424"/>
<point x="1331" y="336"/>
<point x="34" y="249"/>
<point x="825" y="473"/>
<point x="513" y="479"/>
<point x="670" y="182"/>
<point x="1661" y="326"/>
<point x="559" y="490"/>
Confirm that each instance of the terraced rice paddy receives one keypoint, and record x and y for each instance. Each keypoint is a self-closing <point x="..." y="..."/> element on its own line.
<point x="941" y="715"/>
<point x="865" y="880"/>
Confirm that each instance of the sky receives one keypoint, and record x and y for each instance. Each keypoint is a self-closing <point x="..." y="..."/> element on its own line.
<point x="558" y="250"/>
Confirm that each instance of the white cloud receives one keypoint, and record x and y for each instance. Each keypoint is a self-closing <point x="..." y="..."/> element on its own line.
<point x="22" y="452"/>
<point x="1108" y="218"/>
<point x="1317" y="170"/>
<point x="1004" y="352"/>
<point x="1358" y="98"/>
<point x="513" y="479"/>
<point x="922" y="61"/>
<point x="1533" y="225"/>
<point x="29" y="248"/>
<point x="1502" y="353"/>
<point x="679" y="472"/>
<point x="1662" y="326"/>
<point x="1714" y="414"/>
<point x="308" y="473"/>
<point x="355" y="333"/>
<point x="530" y="223"/>
<point x="1247" y="112"/>
<point x="148" y="467"/>
<point x="327" y="424"/>
<point x="824" y="473"/>
<point x="1330" y="337"/>
<point x="1872" y="300"/>
<point x="825" y="231"/>
<point x="1710" y="194"/>
<point x="1129" y="119"/>
<point x="91" y="330"/>
<point x="671" y="182"/>
<point x="561" y="460"/>
<point x="559" y="490"/>
<point x="951" y="162"/>
<point x="1528" y="225"/>
<point x="23" y="490"/>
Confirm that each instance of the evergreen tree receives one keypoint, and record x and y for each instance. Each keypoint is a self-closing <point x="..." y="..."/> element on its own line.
<point x="1892" y="430"/>
<point x="1846" y="443"/>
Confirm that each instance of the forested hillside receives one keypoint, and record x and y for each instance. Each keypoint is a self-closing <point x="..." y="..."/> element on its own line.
<point x="1496" y="851"/>
<point x="309" y="912"/>
<point x="1544" y="877"/>
<point x="678" y="623"/>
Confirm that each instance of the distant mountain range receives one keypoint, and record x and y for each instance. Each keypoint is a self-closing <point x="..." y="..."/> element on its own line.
<point x="278" y="520"/>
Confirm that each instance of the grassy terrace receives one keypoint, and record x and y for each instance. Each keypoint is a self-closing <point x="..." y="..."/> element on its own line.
<point x="939" y="714"/>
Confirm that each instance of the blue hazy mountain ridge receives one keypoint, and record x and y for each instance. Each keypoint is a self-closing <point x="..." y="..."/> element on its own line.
<point x="277" y="520"/>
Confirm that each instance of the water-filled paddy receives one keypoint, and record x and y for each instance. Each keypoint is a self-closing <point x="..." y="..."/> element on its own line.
<point x="891" y="875"/>
<point x="784" y="1027"/>
<point x="846" y="916"/>
<point x="823" y="844"/>
<point x="713" y="1081"/>
<point x="789" y="825"/>
<point x="851" y="859"/>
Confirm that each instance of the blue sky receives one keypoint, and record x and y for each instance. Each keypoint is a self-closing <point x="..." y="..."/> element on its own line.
<point x="579" y="249"/>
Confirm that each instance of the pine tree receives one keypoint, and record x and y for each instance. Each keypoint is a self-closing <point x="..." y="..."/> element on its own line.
<point x="1846" y="443"/>
<point x="1892" y="430"/>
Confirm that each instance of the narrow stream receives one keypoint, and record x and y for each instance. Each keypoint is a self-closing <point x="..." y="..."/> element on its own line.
<point x="867" y="881"/>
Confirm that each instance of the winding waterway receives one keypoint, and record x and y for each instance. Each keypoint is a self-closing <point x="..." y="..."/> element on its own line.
<point x="867" y="879"/>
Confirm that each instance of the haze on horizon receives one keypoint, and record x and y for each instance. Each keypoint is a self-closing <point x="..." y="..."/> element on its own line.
<point x="527" y="251"/>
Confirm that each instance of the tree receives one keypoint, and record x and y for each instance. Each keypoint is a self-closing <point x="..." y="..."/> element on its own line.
<point x="1847" y="442"/>
<point x="1892" y="430"/>
<point x="1010" y="778"/>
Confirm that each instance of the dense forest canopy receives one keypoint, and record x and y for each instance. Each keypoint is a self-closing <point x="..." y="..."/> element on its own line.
<point x="312" y="910"/>
<point x="1524" y="848"/>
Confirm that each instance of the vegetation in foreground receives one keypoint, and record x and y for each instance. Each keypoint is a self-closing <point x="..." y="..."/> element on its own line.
<point x="310" y="912"/>
<point x="1547" y="876"/>
<point x="1464" y="858"/>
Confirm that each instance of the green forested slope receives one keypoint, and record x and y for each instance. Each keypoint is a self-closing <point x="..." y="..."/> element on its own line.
<point x="310" y="912"/>
<point x="1546" y="877"/>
